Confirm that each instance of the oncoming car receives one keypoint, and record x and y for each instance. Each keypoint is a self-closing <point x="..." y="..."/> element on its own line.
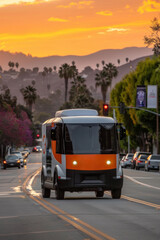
<point x="37" y="149"/>
<point x="19" y="154"/>
<point x="11" y="160"/>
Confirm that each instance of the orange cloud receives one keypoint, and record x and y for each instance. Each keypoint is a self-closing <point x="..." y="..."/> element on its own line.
<point x="149" y="6"/>
<point x="80" y="4"/>
<point x="104" y="13"/>
<point x="52" y="19"/>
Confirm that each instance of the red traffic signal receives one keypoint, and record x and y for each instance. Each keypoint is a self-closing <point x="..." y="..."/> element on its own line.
<point x="105" y="109"/>
<point x="38" y="135"/>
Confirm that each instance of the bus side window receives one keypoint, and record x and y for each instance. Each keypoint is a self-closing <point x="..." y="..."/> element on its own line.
<point x="59" y="140"/>
<point x="53" y="134"/>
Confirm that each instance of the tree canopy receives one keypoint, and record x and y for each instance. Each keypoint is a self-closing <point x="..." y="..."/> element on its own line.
<point x="136" y="121"/>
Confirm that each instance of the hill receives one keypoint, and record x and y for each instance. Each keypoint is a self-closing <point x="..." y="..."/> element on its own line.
<point x="108" y="55"/>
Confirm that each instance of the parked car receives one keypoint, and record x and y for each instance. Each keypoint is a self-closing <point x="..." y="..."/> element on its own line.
<point x="140" y="162"/>
<point x="12" y="160"/>
<point x="127" y="160"/>
<point x="122" y="155"/>
<point x="152" y="162"/>
<point x="37" y="149"/>
<point x="135" y="157"/>
<point x="20" y="157"/>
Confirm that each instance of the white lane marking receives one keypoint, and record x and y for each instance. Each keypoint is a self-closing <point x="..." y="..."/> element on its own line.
<point x="29" y="186"/>
<point x="143" y="177"/>
<point x="17" y="189"/>
<point x="146" y="185"/>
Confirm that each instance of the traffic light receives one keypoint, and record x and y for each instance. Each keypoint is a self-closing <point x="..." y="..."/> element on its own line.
<point x="105" y="109"/>
<point x="38" y="135"/>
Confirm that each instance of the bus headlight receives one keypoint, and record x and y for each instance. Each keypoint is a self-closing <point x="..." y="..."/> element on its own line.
<point x="108" y="162"/>
<point x="74" y="162"/>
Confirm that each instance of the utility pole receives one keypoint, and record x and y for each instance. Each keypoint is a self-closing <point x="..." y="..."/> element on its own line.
<point x="157" y="125"/>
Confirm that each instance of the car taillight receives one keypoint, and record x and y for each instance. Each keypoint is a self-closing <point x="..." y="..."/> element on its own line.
<point x="139" y="161"/>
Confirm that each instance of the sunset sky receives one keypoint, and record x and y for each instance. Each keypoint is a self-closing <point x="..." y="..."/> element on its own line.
<point x="74" y="27"/>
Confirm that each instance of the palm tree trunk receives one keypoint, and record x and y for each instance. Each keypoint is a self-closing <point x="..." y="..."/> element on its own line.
<point x="66" y="88"/>
<point x="103" y="91"/>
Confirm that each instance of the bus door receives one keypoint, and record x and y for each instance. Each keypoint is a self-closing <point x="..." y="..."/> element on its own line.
<point x="48" y="153"/>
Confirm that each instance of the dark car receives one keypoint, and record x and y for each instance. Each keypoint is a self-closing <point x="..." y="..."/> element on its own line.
<point x="152" y="162"/>
<point x="12" y="160"/>
<point x="140" y="162"/>
<point x="37" y="149"/>
<point x="19" y="154"/>
<point x="135" y="157"/>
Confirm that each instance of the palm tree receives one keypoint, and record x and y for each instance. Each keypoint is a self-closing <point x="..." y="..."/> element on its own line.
<point x="11" y="65"/>
<point x="97" y="65"/>
<point x="103" y="62"/>
<point x="33" y="82"/>
<point x="67" y="72"/>
<point x="104" y="78"/>
<point x="17" y="65"/>
<point x="48" y="87"/>
<point x="50" y="70"/>
<point x="29" y="95"/>
<point x="55" y="68"/>
<point x="119" y="61"/>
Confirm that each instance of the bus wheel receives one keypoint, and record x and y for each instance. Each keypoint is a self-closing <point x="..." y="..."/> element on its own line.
<point x="46" y="192"/>
<point x="58" y="192"/>
<point x="116" y="193"/>
<point x="99" y="194"/>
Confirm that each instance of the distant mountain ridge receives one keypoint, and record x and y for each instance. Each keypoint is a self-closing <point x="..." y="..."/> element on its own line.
<point x="108" y="55"/>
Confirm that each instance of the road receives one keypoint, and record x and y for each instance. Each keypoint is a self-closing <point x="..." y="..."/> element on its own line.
<point x="25" y="215"/>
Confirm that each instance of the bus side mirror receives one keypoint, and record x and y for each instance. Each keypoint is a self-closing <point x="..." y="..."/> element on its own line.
<point x="122" y="132"/>
<point x="53" y="134"/>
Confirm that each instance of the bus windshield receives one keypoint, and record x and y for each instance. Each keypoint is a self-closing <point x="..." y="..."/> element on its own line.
<point x="90" y="138"/>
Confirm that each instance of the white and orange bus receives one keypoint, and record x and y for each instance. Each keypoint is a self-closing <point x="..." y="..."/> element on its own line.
<point x="80" y="152"/>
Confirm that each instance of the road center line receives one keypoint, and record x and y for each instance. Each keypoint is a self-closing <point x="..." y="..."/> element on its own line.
<point x="59" y="212"/>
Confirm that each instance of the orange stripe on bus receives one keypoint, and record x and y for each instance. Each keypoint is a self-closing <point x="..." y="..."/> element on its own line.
<point x="57" y="156"/>
<point x="90" y="161"/>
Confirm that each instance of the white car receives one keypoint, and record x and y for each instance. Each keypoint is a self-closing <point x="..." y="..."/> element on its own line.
<point x="152" y="162"/>
<point x="127" y="160"/>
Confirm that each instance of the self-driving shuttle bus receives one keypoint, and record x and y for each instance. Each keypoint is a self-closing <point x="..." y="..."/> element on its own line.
<point x="80" y="152"/>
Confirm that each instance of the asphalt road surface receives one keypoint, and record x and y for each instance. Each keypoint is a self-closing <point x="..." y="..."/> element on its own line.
<point x="25" y="215"/>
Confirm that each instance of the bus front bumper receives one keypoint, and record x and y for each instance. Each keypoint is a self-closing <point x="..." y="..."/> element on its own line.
<point x="90" y="180"/>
